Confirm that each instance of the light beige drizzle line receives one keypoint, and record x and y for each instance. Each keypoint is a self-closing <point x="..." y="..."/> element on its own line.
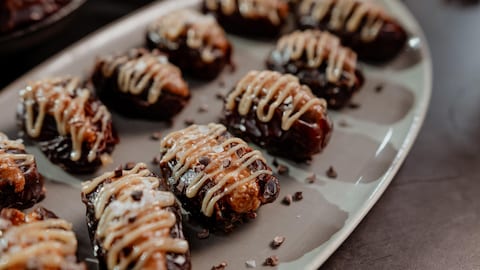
<point x="134" y="75"/>
<point x="340" y="11"/>
<point x="13" y="162"/>
<point x="319" y="47"/>
<point x="248" y="8"/>
<point x="54" y="96"/>
<point x="188" y="145"/>
<point x="201" y="30"/>
<point x="149" y="233"/>
<point x="49" y="242"/>
<point x="269" y="90"/>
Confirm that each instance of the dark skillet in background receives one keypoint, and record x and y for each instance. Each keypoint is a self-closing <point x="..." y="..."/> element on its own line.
<point x="18" y="57"/>
<point x="33" y="34"/>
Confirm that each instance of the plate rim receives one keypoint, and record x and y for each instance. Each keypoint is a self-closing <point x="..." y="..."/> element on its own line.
<point x="418" y="120"/>
<point x="419" y="114"/>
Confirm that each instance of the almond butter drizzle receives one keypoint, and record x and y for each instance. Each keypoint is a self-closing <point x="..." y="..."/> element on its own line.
<point x="149" y="232"/>
<point x="248" y="8"/>
<point x="188" y="145"/>
<point x="319" y="47"/>
<point x="10" y="163"/>
<point x="65" y="101"/>
<point x="135" y="75"/>
<point x="269" y="90"/>
<point x="201" y="30"/>
<point x="348" y="15"/>
<point x="49" y="243"/>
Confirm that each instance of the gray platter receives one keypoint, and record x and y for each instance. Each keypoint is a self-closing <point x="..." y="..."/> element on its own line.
<point x="367" y="147"/>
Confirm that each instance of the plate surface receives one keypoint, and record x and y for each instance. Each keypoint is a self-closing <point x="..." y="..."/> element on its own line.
<point x="368" y="146"/>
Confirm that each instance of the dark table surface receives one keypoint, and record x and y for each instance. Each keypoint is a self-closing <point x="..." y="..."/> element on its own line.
<point x="429" y="217"/>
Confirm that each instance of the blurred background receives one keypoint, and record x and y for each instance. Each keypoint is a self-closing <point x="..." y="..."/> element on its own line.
<point x="89" y="17"/>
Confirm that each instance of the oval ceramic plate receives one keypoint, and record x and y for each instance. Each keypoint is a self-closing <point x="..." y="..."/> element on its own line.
<point x="368" y="146"/>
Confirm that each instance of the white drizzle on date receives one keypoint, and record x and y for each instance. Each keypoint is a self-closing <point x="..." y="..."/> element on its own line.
<point x="127" y="221"/>
<point x="187" y="146"/>
<point x="201" y="30"/>
<point x="348" y="15"/>
<point x="10" y="162"/>
<point x="65" y="100"/>
<point x="135" y="75"/>
<point x="319" y="47"/>
<point x="49" y="242"/>
<point x="269" y="90"/>
<point x="251" y="9"/>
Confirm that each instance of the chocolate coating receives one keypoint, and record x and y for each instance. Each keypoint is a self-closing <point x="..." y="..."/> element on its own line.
<point x="257" y="23"/>
<point x="199" y="46"/>
<point x="240" y="203"/>
<point x="59" y="147"/>
<point x="306" y="136"/>
<point x="21" y="186"/>
<point x="174" y="261"/>
<point x="388" y="43"/>
<point x="174" y="93"/>
<point x="38" y="240"/>
<point x="337" y="92"/>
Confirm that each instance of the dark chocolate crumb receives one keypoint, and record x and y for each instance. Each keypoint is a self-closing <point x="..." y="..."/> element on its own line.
<point x="275" y="162"/>
<point x="233" y="67"/>
<point x="298" y="196"/>
<point x="156" y="160"/>
<point x="271" y="189"/>
<point x="240" y="152"/>
<point x="156" y="136"/>
<point x="379" y="88"/>
<point x="204" y="160"/>
<point x="352" y="105"/>
<point x="287" y="200"/>
<point x="180" y="186"/>
<point x="132" y="219"/>
<point x="203" y="234"/>
<point x="199" y="168"/>
<point x="136" y="195"/>
<point x="226" y="163"/>
<point x="282" y="169"/>
<point x="219" y="96"/>
<point x="188" y="122"/>
<point x="271" y="261"/>
<point x="220" y="266"/>
<point x="203" y="108"/>
<point x="331" y="173"/>
<point x="252" y="215"/>
<point x="129" y="165"/>
<point x="343" y="123"/>
<point x="127" y="251"/>
<point x="277" y="241"/>
<point x="118" y="172"/>
<point x="311" y="178"/>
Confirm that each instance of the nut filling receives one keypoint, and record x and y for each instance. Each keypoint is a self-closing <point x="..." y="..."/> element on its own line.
<point x="217" y="176"/>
